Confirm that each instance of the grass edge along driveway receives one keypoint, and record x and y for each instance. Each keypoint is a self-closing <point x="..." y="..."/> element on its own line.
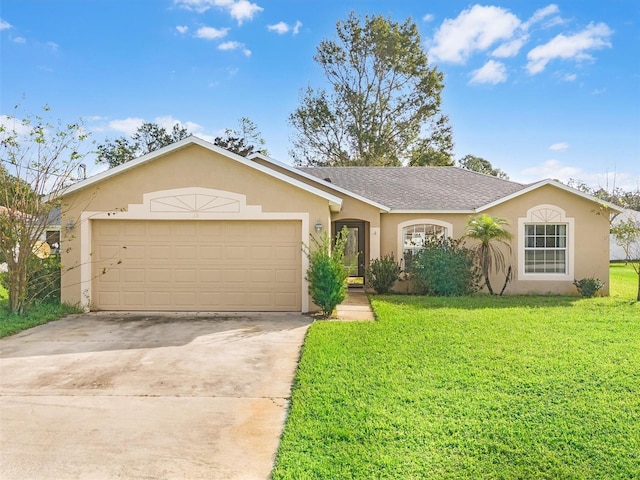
<point x="514" y="387"/>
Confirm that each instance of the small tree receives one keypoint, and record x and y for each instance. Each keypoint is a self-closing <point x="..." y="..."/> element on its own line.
<point x="39" y="158"/>
<point x="382" y="273"/>
<point x="489" y="231"/>
<point x="327" y="275"/>
<point x="627" y="235"/>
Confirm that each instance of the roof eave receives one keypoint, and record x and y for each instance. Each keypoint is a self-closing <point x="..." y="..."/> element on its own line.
<point x="555" y="183"/>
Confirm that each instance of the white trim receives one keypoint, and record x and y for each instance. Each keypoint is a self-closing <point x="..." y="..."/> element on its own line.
<point x="541" y="215"/>
<point x="334" y="201"/>
<point x="419" y="221"/>
<point x="542" y="183"/>
<point x="374" y="243"/>
<point x="318" y="180"/>
<point x="145" y="211"/>
<point x="432" y="212"/>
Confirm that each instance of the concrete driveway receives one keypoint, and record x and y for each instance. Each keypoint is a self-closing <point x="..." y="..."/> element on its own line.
<point x="147" y="396"/>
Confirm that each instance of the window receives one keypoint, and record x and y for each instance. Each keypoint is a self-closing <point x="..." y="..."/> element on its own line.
<point x="414" y="237"/>
<point x="545" y="241"/>
<point x="53" y="239"/>
<point x="545" y="249"/>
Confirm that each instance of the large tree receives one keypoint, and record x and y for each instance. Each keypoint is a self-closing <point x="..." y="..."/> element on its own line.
<point x="147" y="138"/>
<point x="39" y="158"/>
<point x="383" y="101"/>
<point x="150" y="137"/>
<point x="244" y="141"/>
<point x="480" y="165"/>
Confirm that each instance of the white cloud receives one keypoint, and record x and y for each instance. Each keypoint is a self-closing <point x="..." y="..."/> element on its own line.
<point x="232" y="45"/>
<point x="572" y="47"/>
<point x="244" y="10"/>
<point x="428" y="18"/>
<point x="128" y="126"/>
<point x="491" y="72"/>
<point x="210" y="33"/>
<point x="5" y="25"/>
<point x="182" y="29"/>
<point x="11" y="125"/>
<point x="570" y="77"/>
<point x="559" y="146"/>
<point x="280" y="28"/>
<point x="598" y="91"/>
<point x="551" y="169"/>
<point x="20" y="40"/>
<point x="541" y="14"/>
<point x="53" y="45"/>
<point x="240" y="10"/>
<point x="475" y="29"/>
<point x="510" y="48"/>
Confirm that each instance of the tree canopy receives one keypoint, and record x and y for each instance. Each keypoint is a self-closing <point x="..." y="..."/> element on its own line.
<point x="383" y="106"/>
<point x="150" y="137"/>
<point x="627" y="199"/>
<point x="244" y="141"/>
<point x="480" y="165"/>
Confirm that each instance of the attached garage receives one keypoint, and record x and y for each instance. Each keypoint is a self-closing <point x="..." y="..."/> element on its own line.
<point x="197" y="265"/>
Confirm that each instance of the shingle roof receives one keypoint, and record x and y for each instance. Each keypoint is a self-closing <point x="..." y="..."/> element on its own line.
<point x="419" y="188"/>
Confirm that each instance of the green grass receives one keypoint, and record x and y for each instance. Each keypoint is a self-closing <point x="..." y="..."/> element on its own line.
<point x="11" y="324"/>
<point x="477" y="387"/>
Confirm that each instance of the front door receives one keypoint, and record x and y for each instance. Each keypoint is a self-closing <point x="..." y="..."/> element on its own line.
<point x="354" y="250"/>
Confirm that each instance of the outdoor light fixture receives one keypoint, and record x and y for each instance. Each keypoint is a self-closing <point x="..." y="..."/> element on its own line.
<point x="69" y="226"/>
<point x="318" y="226"/>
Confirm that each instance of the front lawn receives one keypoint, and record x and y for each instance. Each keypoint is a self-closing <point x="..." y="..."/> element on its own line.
<point x="10" y="324"/>
<point x="514" y="387"/>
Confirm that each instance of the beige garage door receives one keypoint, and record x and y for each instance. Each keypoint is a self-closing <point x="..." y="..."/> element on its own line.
<point x="197" y="265"/>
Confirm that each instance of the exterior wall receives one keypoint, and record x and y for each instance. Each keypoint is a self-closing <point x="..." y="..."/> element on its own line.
<point x="192" y="166"/>
<point x="590" y="239"/>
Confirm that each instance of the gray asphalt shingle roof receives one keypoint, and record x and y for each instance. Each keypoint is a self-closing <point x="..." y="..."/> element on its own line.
<point x="419" y="188"/>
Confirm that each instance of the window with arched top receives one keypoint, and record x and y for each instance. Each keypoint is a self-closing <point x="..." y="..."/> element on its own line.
<point x="546" y="244"/>
<point x="413" y="234"/>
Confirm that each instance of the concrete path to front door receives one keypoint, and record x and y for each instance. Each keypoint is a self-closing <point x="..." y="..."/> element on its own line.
<point x="147" y="396"/>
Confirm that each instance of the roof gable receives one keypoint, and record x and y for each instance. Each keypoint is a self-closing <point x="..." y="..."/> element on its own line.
<point x="334" y="201"/>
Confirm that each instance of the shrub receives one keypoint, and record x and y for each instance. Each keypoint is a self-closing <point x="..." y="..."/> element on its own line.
<point x="588" y="287"/>
<point x="43" y="284"/>
<point x="327" y="275"/>
<point x="382" y="273"/>
<point x="446" y="268"/>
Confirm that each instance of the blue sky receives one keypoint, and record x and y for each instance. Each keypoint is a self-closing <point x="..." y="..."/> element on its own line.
<point x="540" y="89"/>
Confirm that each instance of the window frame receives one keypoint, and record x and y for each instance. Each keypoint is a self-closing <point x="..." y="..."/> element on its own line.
<point x="448" y="233"/>
<point x="546" y="215"/>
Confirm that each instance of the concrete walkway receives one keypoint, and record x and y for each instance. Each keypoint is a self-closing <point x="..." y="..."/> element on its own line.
<point x="355" y="308"/>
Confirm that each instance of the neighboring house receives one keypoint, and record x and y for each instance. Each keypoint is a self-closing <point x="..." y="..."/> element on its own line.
<point x="616" y="251"/>
<point x="195" y="227"/>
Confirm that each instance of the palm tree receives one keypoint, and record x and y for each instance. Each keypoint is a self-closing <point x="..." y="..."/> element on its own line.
<point x="490" y="233"/>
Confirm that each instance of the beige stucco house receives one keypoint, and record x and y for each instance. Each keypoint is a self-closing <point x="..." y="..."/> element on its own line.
<point x="194" y="227"/>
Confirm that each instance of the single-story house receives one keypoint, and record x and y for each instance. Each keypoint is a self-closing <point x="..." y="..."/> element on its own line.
<point x="194" y="227"/>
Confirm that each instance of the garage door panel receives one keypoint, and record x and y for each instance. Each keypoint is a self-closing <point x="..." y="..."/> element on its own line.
<point x="134" y="299"/>
<point x="159" y="252"/>
<point x="197" y="265"/>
